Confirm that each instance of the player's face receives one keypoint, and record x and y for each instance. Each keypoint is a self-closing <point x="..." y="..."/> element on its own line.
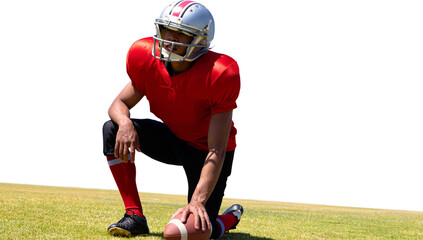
<point x="176" y="36"/>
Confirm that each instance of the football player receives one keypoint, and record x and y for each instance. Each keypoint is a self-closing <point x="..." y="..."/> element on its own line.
<point x="193" y="91"/>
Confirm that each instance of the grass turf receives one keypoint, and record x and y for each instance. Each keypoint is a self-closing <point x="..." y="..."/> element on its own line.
<point x="40" y="212"/>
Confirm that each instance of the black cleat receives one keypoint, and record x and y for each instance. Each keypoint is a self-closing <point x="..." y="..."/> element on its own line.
<point x="236" y="210"/>
<point x="129" y="226"/>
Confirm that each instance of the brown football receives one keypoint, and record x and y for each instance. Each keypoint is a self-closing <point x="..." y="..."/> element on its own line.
<point x="176" y="230"/>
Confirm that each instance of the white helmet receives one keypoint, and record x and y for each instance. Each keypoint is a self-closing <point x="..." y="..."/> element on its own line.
<point x="190" y="18"/>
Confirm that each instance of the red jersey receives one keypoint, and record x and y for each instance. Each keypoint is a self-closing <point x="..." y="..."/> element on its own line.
<point x="186" y="102"/>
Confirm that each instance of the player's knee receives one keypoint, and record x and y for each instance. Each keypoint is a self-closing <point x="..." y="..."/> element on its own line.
<point x="109" y="127"/>
<point x="109" y="132"/>
<point x="109" y="137"/>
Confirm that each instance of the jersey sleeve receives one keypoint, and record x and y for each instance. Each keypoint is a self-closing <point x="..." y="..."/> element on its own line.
<point x="134" y="65"/>
<point x="225" y="90"/>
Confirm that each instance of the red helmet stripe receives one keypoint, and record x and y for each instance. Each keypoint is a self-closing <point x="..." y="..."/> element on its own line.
<point x="178" y="9"/>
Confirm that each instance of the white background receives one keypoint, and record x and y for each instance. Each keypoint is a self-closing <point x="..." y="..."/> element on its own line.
<point x="330" y="110"/>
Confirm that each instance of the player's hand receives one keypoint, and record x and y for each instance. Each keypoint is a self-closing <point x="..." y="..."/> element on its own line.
<point x="202" y="220"/>
<point x="126" y="142"/>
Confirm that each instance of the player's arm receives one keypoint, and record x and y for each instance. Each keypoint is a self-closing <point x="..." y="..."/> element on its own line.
<point x="127" y="138"/>
<point x="218" y="135"/>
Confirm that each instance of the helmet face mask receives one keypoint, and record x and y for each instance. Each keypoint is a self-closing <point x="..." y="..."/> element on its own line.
<point x="190" y="18"/>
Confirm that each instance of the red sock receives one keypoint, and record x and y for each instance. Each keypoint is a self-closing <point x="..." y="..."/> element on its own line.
<point x="225" y="222"/>
<point x="124" y="175"/>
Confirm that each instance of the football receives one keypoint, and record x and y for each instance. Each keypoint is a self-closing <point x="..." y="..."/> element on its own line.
<point x="176" y="230"/>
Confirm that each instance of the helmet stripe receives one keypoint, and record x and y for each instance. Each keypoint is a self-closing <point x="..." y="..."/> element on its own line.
<point x="178" y="9"/>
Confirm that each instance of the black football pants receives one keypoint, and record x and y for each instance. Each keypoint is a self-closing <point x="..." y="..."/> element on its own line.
<point x="159" y="143"/>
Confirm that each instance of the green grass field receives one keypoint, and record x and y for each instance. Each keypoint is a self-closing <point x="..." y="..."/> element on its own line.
<point x="39" y="212"/>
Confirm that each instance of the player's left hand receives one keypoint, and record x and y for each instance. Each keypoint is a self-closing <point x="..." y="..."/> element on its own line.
<point x="202" y="220"/>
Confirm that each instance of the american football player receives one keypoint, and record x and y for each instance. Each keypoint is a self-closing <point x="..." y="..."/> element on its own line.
<point x="193" y="91"/>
